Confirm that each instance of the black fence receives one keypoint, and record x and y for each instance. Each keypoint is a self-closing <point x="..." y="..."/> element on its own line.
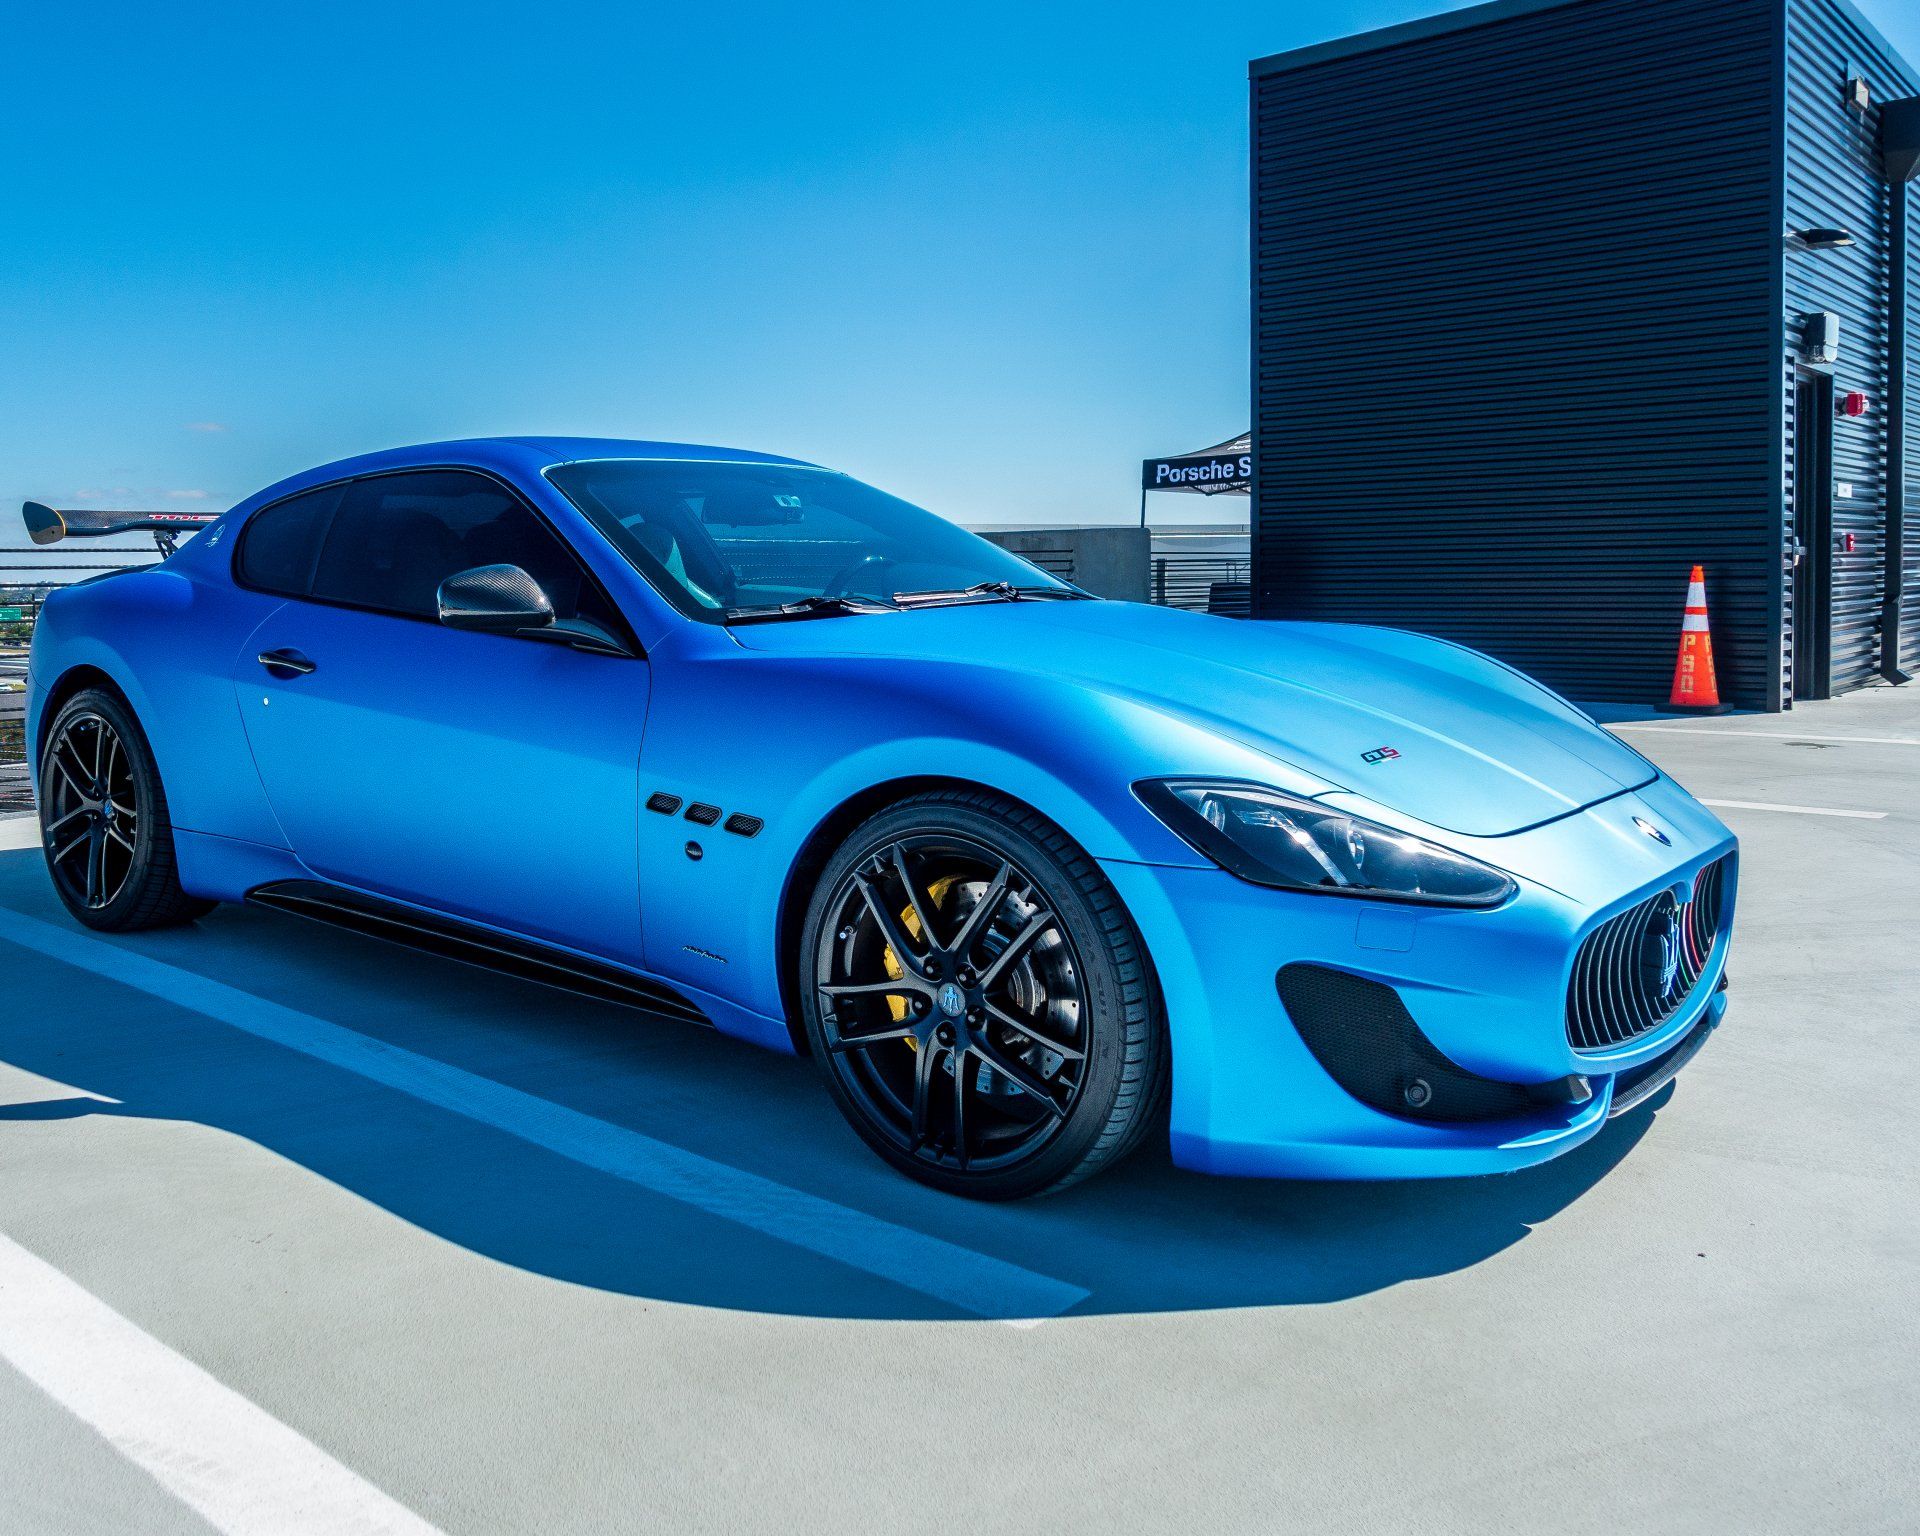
<point x="1206" y="569"/>
<point x="1209" y="579"/>
<point x="1208" y="583"/>
<point x="28" y="573"/>
<point x="16" y="789"/>
<point x="1055" y="562"/>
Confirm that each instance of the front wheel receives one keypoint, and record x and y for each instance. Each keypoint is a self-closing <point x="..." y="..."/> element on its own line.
<point x="978" y="1000"/>
<point x="104" y="822"/>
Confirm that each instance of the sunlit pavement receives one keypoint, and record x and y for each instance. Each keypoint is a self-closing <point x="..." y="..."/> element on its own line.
<point x="552" y="1266"/>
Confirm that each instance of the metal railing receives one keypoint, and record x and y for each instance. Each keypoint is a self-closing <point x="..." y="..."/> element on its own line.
<point x="1208" y="583"/>
<point x="41" y="576"/>
<point x="28" y="574"/>
<point x="1207" y="569"/>
<point x="1055" y="562"/>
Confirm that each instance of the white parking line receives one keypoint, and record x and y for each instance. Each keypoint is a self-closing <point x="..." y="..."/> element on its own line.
<point x="1705" y="730"/>
<point x="19" y="832"/>
<point x="231" y="1462"/>
<point x="1794" y="810"/>
<point x="971" y="1282"/>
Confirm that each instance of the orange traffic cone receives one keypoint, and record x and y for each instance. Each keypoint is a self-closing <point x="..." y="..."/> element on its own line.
<point x="1695" y="689"/>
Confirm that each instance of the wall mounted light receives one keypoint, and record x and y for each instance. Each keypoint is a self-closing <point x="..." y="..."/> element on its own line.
<point x="1821" y="238"/>
<point x="1857" y="97"/>
<point x="1852" y="403"/>
<point x="1820" y="337"/>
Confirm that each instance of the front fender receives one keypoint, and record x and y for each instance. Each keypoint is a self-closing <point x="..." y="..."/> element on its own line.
<point x="816" y="734"/>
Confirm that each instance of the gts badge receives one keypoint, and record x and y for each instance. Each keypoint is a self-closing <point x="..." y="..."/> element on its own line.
<point x="1379" y="754"/>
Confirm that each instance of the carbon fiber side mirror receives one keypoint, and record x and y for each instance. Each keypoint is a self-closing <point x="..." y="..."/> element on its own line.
<point x="495" y="599"/>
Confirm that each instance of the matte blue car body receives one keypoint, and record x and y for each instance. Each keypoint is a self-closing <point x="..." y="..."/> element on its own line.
<point x="502" y="780"/>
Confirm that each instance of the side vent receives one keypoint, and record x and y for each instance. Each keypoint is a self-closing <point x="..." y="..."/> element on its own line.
<point x="740" y="824"/>
<point x="1361" y="1032"/>
<point x="663" y="802"/>
<point x="703" y="815"/>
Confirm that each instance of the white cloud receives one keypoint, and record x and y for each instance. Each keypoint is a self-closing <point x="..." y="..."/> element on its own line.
<point x="193" y="495"/>
<point x="203" y="426"/>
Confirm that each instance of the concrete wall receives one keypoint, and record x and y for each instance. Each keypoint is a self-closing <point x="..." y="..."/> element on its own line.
<point x="1108" y="562"/>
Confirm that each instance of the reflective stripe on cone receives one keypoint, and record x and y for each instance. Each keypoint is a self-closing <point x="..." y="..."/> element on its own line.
<point x="1694" y="683"/>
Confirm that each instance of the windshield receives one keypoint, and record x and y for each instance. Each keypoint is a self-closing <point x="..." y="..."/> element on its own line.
<point x="723" y="539"/>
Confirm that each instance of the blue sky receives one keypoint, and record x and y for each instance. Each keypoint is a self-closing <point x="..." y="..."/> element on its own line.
<point x="987" y="257"/>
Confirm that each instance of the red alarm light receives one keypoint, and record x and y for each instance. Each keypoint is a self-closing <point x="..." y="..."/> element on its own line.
<point x="1853" y="403"/>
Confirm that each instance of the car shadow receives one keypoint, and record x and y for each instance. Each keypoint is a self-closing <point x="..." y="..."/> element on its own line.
<point x="1645" y="714"/>
<point x="1143" y="1237"/>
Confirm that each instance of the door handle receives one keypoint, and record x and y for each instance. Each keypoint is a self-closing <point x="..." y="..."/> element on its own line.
<point x="285" y="662"/>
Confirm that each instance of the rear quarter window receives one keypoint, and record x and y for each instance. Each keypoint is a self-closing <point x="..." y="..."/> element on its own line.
<point x="281" y="543"/>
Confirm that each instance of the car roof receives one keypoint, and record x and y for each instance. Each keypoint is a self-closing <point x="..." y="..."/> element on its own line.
<point x="551" y="450"/>
<point x="565" y="449"/>
<point x="509" y="454"/>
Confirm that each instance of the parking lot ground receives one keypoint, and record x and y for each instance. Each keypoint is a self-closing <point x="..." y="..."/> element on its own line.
<point x="300" y="1232"/>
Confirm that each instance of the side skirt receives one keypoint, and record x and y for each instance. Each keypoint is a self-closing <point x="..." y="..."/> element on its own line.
<point x="454" y="939"/>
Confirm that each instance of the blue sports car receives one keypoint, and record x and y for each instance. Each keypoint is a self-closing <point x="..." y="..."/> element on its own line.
<point x="1028" y="873"/>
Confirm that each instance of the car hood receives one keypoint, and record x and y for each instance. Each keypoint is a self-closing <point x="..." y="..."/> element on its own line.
<point x="1440" y="733"/>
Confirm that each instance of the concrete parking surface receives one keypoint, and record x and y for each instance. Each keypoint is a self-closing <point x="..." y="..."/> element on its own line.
<point x="302" y="1232"/>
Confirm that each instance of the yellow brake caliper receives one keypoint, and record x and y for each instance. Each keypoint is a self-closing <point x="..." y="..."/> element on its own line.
<point x="910" y="920"/>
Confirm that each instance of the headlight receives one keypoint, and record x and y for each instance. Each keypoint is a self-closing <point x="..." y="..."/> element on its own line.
<point x="1272" y="838"/>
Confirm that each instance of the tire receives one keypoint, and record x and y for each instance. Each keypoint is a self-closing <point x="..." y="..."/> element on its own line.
<point x="1019" y="1051"/>
<point x="104" y="825"/>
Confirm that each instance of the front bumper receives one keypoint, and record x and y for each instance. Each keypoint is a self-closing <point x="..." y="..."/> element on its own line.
<point x="1487" y="989"/>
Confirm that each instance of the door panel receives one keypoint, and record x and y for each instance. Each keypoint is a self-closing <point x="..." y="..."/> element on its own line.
<point x="1813" y="528"/>
<point x="491" y="777"/>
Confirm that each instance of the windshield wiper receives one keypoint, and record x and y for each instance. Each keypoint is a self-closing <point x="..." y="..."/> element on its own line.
<point x="984" y="592"/>
<point x="807" y="608"/>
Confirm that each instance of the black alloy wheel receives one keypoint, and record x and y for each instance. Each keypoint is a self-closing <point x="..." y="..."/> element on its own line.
<point x="978" y="1000"/>
<point x="92" y="826"/>
<point x="104" y="825"/>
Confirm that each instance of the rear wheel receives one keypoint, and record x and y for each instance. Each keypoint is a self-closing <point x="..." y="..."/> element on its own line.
<point x="103" y="820"/>
<point x="978" y="999"/>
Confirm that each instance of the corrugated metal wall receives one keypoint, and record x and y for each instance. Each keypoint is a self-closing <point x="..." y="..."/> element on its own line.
<point x="1909" y="659"/>
<point x="1515" y="348"/>
<point x="1833" y="179"/>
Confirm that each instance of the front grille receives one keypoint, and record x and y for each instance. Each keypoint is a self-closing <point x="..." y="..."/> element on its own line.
<point x="1635" y="971"/>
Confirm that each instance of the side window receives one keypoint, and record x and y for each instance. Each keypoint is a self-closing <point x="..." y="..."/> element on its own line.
<point x="278" y="546"/>
<point x="397" y="537"/>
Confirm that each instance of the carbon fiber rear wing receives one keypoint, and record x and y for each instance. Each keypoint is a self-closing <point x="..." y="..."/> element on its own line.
<point x="45" y="525"/>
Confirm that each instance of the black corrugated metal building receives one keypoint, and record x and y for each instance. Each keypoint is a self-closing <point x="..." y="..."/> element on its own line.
<point x="1537" y="290"/>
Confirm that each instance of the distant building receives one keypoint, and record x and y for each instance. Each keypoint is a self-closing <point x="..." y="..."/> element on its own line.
<point x="1202" y="566"/>
<point x="1554" y="298"/>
